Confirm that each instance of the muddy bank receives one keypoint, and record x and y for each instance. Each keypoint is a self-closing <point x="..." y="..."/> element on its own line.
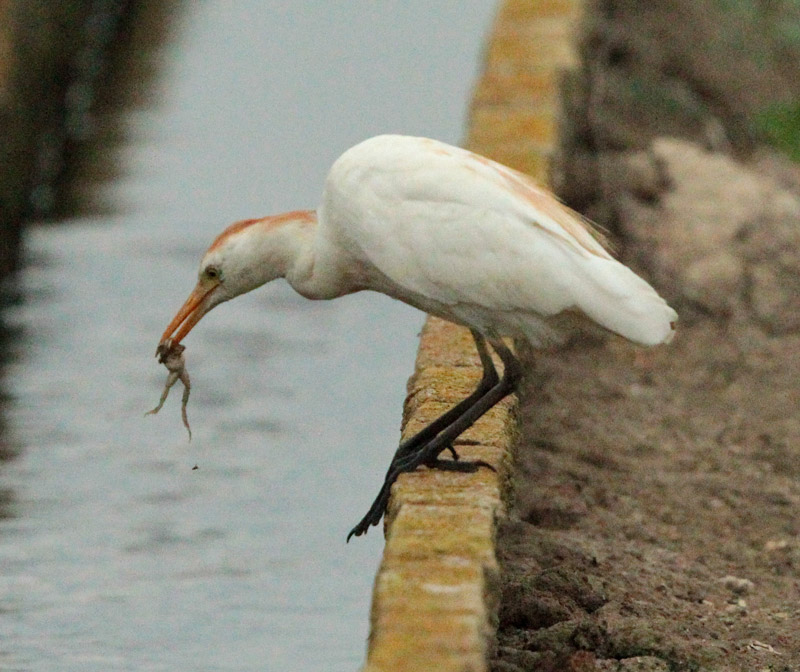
<point x="658" y="494"/>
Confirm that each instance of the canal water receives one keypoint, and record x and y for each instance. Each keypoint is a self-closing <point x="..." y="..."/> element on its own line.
<point x="116" y="554"/>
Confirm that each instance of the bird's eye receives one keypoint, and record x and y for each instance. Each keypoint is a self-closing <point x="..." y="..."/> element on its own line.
<point x="212" y="273"/>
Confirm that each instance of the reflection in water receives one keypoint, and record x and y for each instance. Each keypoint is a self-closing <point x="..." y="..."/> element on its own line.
<point x="130" y="84"/>
<point x="10" y="337"/>
<point x="118" y="554"/>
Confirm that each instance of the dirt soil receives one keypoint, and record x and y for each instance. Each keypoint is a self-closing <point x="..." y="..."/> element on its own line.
<point x="657" y="521"/>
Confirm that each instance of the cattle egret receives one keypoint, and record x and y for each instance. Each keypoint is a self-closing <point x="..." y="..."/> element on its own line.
<point x="455" y="235"/>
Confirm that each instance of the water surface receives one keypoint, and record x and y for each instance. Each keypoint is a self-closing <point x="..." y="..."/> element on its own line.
<point x="116" y="554"/>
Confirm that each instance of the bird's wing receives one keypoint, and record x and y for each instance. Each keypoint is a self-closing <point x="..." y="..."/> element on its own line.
<point x="459" y="229"/>
<point x="539" y="207"/>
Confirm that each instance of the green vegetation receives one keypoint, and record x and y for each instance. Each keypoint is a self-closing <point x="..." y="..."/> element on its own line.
<point x="779" y="125"/>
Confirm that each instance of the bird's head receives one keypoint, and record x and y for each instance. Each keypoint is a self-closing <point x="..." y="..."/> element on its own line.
<point x="243" y="257"/>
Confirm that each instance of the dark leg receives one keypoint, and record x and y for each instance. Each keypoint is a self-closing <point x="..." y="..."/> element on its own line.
<point x="428" y="453"/>
<point x="488" y="381"/>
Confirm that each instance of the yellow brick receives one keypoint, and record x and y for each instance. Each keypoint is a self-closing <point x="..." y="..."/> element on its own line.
<point x="511" y="85"/>
<point x="489" y="430"/>
<point x="518" y="11"/>
<point x="430" y="531"/>
<point x="481" y="493"/>
<point x="444" y="344"/>
<point x="520" y="47"/>
<point x="499" y="123"/>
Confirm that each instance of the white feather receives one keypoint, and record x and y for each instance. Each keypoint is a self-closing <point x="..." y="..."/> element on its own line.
<point x="472" y="241"/>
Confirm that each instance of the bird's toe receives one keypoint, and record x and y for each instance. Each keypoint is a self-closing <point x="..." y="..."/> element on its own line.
<point x="465" y="466"/>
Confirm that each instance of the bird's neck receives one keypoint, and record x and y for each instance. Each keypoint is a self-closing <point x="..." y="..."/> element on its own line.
<point x="290" y="246"/>
<point x="296" y="242"/>
<point x="281" y="246"/>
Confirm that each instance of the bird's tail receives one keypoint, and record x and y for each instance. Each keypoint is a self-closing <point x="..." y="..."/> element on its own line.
<point x="624" y="303"/>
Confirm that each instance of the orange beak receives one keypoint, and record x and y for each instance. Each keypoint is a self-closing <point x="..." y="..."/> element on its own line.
<point x="193" y="309"/>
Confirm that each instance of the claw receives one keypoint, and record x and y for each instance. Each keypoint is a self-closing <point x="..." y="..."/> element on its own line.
<point x="468" y="467"/>
<point x="378" y="508"/>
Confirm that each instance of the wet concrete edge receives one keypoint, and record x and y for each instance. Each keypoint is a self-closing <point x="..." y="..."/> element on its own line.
<point x="436" y="592"/>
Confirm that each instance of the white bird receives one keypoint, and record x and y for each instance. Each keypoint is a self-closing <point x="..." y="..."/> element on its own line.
<point x="453" y="234"/>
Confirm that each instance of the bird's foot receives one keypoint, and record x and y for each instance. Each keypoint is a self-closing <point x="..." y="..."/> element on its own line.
<point x="465" y="466"/>
<point x="399" y="465"/>
<point x="375" y="512"/>
<point x="462" y="442"/>
<point x="378" y="508"/>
